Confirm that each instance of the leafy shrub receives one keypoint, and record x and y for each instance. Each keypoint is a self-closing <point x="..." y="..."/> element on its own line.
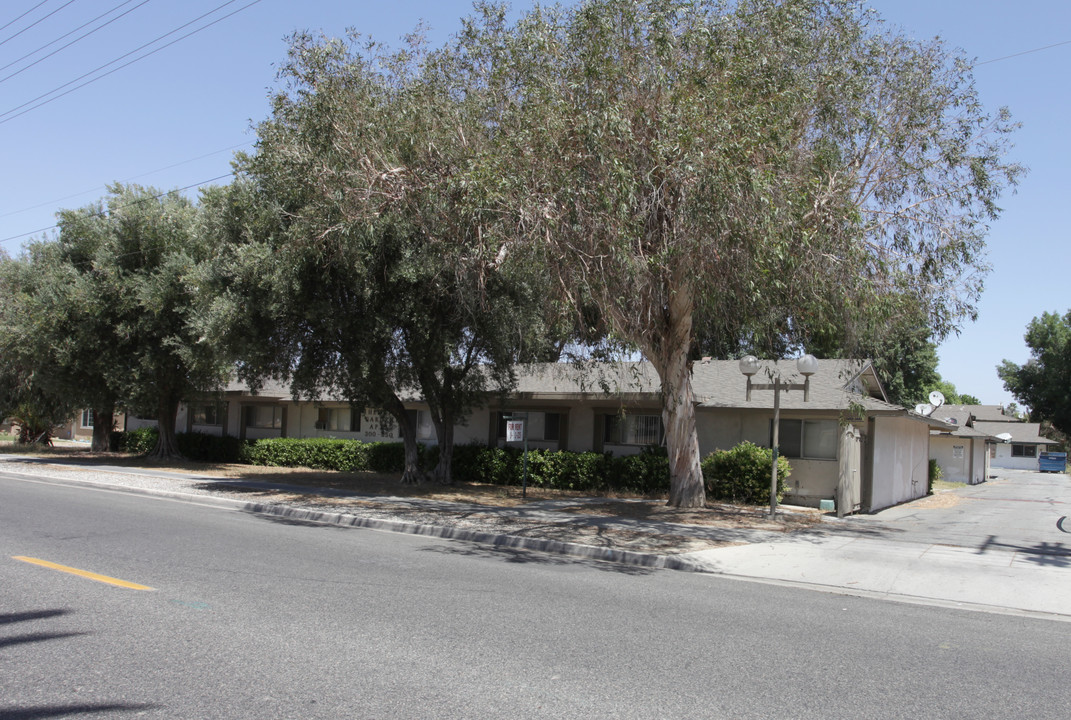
<point x="211" y="448"/>
<point x="645" y="473"/>
<point x="934" y="475"/>
<point x="742" y="474"/>
<point x="317" y="453"/>
<point x="138" y="442"/>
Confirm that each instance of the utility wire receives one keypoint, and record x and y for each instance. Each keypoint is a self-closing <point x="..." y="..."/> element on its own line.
<point x="72" y="42"/>
<point x="131" y="62"/>
<point x="36" y="22"/>
<point x="119" y="207"/>
<point x="1024" y="52"/>
<point x="126" y="180"/>
<point x="20" y="17"/>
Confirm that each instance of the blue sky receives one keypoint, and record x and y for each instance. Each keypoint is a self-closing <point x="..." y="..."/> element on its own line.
<point x="174" y="119"/>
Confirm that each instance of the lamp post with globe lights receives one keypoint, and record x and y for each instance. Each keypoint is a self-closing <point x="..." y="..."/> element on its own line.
<point x="807" y="366"/>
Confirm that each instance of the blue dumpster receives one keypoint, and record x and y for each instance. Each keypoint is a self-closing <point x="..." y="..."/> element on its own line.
<point x="1052" y="461"/>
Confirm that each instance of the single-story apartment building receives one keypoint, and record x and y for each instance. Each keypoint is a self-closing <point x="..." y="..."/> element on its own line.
<point x="962" y="452"/>
<point x="845" y="442"/>
<point x="1005" y="440"/>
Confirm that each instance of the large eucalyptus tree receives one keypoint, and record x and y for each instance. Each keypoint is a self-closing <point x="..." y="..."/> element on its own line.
<point x="778" y="166"/>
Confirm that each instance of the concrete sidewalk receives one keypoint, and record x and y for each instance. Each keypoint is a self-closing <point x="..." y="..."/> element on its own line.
<point x="854" y="557"/>
<point x="993" y="580"/>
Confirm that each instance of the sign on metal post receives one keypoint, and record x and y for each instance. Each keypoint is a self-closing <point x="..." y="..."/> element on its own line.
<point x="515" y="433"/>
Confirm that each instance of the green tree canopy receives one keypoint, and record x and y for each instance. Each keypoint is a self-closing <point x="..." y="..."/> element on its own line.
<point x="1043" y="383"/>
<point x="730" y="168"/>
<point x="357" y="265"/>
<point x="28" y="395"/>
<point x="112" y="307"/>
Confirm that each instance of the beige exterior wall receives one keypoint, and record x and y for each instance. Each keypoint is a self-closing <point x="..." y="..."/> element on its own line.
<point x="900" y="450"/>
<point x="1002" y="458"/>
<point x="961" y="459"/>
<point x="811" y="480"/>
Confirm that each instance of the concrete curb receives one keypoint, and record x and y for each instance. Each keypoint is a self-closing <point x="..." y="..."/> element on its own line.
<point x="289" y="512"/>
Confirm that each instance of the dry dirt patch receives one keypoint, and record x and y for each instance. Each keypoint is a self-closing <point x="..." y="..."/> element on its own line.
<point x="373" y="491"/>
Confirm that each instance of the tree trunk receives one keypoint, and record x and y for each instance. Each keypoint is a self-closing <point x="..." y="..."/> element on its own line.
<point x="444" y="431"/>
<point x="686" y="486"/>
<point x="103" y="422"/>
<point x="167" y="444"/>
<point x="670" y="359"/>
<point x="411" y="471"/>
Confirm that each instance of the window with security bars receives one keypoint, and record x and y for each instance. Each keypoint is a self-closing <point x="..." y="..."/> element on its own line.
<point x="634" y="430"/>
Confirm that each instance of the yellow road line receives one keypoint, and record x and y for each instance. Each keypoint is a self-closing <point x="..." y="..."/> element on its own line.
<point x="82" y="573"/>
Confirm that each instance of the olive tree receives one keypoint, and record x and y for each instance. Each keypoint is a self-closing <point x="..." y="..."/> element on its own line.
<point x="116" y="294"/>
<point x="354" y="259"/>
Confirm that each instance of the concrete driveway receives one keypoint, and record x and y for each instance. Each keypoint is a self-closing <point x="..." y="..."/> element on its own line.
<point x="1003" y="546"/>
<point x="1017" y="511"/>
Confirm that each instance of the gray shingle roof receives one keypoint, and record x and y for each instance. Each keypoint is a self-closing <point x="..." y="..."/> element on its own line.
<point x="1021" y="432"/>
<point x="716" y="383"/>
<point x="987" y="413"/>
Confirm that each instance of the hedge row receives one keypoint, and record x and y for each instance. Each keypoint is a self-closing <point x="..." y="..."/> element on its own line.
<point x="738" y="475"/>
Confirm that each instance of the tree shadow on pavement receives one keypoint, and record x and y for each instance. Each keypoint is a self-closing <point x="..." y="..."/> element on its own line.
<point x="525" y="557"/>
<point x="49" y="711"/>
<point x="1042" y="554"/>
<point x="8" y="618"/>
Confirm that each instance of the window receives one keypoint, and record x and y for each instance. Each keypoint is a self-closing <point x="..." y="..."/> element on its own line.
<point x="544" y="426"/>
<point x="209" y="414"/>
<point x="1023" y="450"/>
<point x="342" y="419"/>
<point x="421" y="420"/>
<point x="807" y="439"/>
<point x="264" y="416"/>
<point x="634" y="430"/>
<point x="87" y="418"/>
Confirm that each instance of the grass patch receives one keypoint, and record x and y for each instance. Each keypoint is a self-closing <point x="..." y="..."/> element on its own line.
<point x="946" y="485"/>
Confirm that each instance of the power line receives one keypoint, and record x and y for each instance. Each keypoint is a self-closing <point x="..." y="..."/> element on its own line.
<point x="131" y="62"/>
<point x="126" y="180"/>
<point x="20" y="17"/>
<point x="72" y="42"/>
<point x="36" y="22"/>
<point x="1024" y="52"/>
<point x="139" y="200"/>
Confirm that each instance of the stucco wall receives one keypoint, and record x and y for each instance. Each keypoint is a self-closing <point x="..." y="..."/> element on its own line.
<point x="900" y="461"/>
<point x="809" y="481"/>
<point x="1003" y="459"/>
<point x="968" y="467"/>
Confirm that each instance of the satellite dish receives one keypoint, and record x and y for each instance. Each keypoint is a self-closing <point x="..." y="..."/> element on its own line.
<point x="924" y="409"/>
<point x="937" y="399"/>
<point x="1004" y="437"/>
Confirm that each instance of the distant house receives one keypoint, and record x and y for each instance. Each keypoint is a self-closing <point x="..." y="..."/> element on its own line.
<point x="984" y="437"/>
<point x="80" y="427"/>
<point x="962" y="452"/>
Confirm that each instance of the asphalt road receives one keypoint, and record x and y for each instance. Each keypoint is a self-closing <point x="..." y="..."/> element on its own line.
<point x="251" y="617"/>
